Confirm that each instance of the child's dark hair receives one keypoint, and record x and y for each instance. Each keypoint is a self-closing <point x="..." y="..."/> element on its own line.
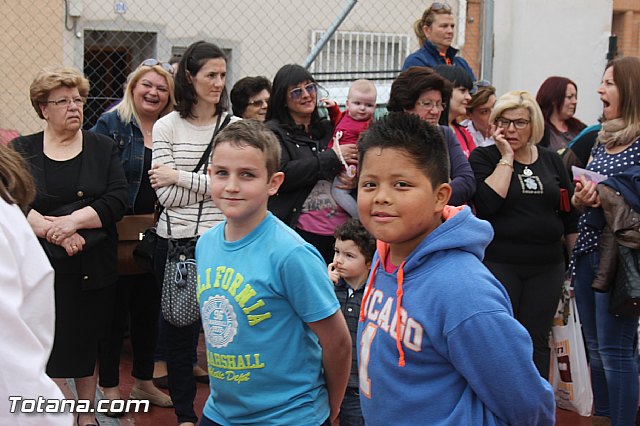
<point x="422" y="143"/>
<point x="354" y="231"/>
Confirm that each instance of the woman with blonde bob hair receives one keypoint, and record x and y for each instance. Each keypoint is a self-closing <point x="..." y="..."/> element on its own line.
<point x="523" y="190"/>
<point x="81" y="193"/>
<point x="149" y="95"/>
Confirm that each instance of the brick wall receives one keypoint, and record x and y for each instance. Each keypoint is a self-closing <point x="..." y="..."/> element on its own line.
<point x="472" y="50"/>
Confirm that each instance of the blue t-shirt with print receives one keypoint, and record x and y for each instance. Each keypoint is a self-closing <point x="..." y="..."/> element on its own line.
<point x="256" y="297"/>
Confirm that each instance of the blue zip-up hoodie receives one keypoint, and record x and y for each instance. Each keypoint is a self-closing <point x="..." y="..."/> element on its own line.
<point x="428" y="56"/>
<point x="467" y="361"/>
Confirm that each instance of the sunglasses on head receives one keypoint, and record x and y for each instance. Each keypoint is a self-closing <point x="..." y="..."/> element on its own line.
<point x="296" y="93"/>
<point x="478" y="84"/>
<point x="152" y="62"/>
<point x="440" y="6"/>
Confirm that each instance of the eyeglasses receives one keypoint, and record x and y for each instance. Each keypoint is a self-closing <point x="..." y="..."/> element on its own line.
<point x="152" y="62"/>
<point x="296" y="93"/>
<point x="505" y="123"/>
<point x="259" y="102"/>
<point x="67" y="102"/>
<point x="440" y="106"/>
<point x="440" y="6"/>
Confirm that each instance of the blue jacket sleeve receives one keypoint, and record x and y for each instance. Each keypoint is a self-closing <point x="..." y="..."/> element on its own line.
<point x="463" y="183"/>
<point x="504" y="376"/>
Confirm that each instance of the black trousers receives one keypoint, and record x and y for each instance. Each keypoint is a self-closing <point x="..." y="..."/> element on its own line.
<point x="179" y="350"/>
<point x="534" y="291"/>
<point x="137" y="303"/>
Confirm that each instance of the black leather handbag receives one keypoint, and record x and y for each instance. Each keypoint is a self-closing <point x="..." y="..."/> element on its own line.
<point x="624" y="298"/>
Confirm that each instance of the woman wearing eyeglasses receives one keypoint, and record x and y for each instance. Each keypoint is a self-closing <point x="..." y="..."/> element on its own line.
<point x="523" y="190"/>
<point x="179" y="177"/>
<point x="435" y="32"/>
<point x="304" y="200"/>
<point x="81" y="194"/>
<point x="148" y="96"/>
<point x="422" y="91"/>
<point x="558" y="98"/>
<point x="250" y="97"/>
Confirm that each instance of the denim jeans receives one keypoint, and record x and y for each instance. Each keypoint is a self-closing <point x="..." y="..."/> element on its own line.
<point x="610" y="341"/>
<point x="350" y="411"/>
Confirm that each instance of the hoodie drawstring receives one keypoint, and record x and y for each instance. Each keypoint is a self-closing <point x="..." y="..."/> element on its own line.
<point x="367" y="292"/>
<point x="399" y="294"/>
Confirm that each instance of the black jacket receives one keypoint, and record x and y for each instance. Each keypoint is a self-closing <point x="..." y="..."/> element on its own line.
<point x="305" y="160"/>
<point x="102" y="179"/>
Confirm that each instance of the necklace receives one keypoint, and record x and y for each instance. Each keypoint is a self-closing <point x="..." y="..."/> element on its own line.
<point x="527" y="171"/>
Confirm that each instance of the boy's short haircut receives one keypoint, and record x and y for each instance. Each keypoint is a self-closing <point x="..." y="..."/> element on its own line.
<point x="354" y="231"/>
<point x="255" y="134"/>
<point x="364" y="86"/>
<point x="422" y="143"/>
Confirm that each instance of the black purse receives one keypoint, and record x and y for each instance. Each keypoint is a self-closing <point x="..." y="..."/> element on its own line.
<point x="179" y="301"/>
<point x="624" y="297"/>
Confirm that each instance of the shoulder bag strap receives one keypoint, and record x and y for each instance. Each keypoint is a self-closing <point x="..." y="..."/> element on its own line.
<point x="205" y="156"/>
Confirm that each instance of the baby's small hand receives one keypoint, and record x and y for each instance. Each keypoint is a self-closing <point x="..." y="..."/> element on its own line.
<point x="328" y="102"/>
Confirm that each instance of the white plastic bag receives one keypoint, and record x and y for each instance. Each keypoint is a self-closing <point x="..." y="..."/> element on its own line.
<point x="570" y="372"/>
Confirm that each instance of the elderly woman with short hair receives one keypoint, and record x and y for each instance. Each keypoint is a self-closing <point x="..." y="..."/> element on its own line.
<point x="81" y="194"/>
<point x="250" y="97"/>
<point x="523" y="190"/>
<point x="422" y="91"/>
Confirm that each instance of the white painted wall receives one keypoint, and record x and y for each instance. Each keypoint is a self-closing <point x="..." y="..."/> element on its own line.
<point x="535" y="39"/>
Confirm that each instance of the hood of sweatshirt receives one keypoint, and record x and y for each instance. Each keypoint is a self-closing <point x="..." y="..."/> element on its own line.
<point x="460" y="230"/>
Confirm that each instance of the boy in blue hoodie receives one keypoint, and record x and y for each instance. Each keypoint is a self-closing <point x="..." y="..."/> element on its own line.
<point x="452" y="354"/>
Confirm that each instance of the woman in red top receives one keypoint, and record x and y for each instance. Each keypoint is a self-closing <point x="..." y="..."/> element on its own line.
<point x="456" y="106"/>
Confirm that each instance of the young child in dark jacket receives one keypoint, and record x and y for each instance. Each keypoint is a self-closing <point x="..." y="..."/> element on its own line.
<point x="349" y="270"/>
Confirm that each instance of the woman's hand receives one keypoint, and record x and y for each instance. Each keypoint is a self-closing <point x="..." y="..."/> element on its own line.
<point x="73" y="244"/>
<point x="161" y="175"/>
<point x="585" y="194"/>
<point x="333" y="274"/>
<point x="349" y="152"/>
<point x="61" y="228"/>
<point x="501" y="143"/>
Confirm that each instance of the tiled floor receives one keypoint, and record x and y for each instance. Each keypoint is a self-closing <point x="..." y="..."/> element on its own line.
<point x="166" y="417"/>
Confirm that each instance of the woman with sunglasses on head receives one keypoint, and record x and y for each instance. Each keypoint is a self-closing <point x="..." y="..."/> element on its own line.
<point x="422" y="91"/>
<point x="456" y="105"/>
<point x="558" y="98"/>
<point x="523" y="190"/>
<point x="479" y="110"/>
<point x="435" y="32"/>
<point x="250" y="97"/>
<point x="611" y="340"/>
<point x="81" y="192"/>
<point x="148" y="96"/>
<point x="304" y="200"/>
<point x="179" y="176"/>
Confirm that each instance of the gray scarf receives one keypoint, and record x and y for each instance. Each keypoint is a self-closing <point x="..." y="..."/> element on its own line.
<point x="616" y="133"/>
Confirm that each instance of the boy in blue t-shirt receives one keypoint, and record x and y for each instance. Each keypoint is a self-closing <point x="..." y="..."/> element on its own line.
<point x="438" y="343"/>
<point x="278" y="347"/>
